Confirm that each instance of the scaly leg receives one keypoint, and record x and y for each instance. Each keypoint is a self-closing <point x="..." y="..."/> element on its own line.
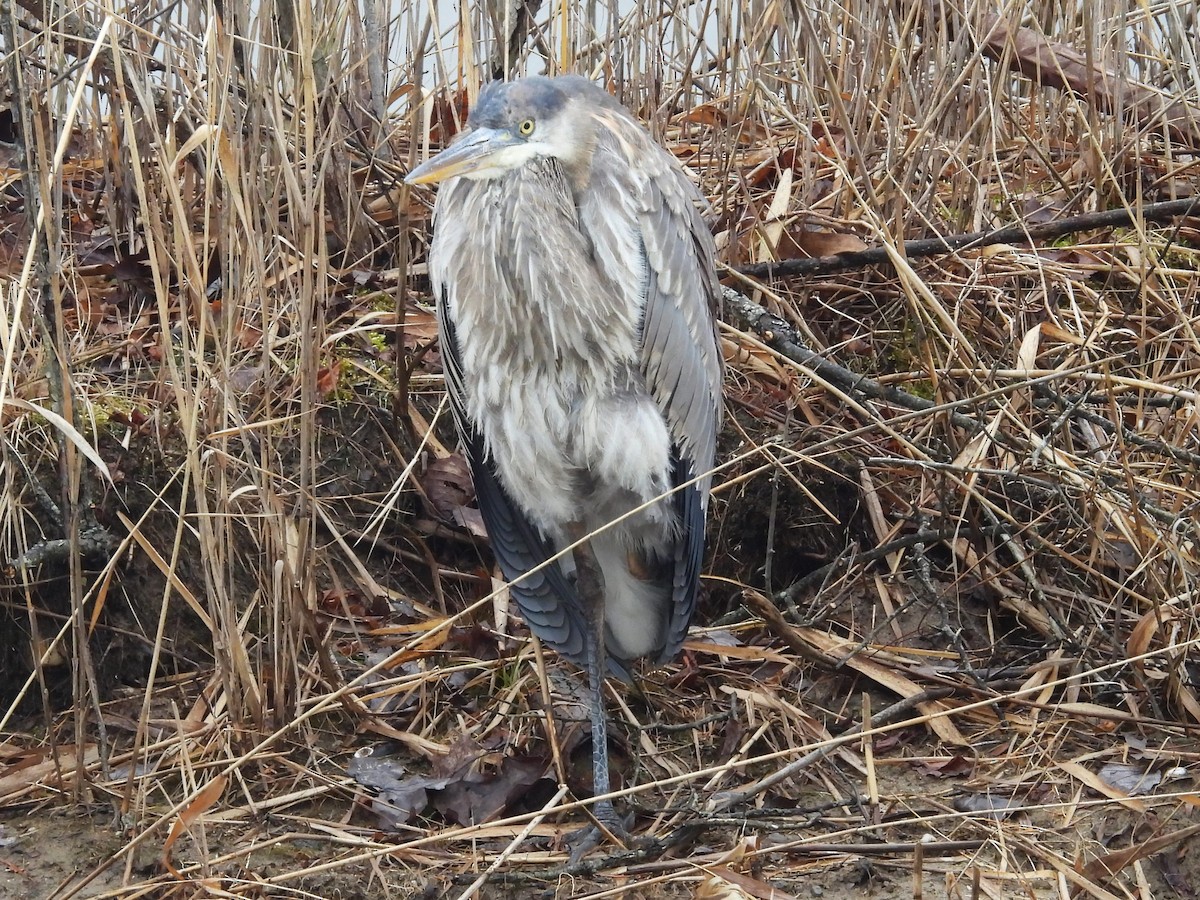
<point x="589" y="585"/>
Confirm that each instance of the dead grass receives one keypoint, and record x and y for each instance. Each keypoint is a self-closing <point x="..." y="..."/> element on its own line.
<point x="949" y="642"/>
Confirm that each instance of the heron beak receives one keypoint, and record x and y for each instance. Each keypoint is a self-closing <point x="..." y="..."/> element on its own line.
<point x="480" y="150"/>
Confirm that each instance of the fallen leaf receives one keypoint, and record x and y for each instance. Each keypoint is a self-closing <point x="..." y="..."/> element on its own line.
<point x="1130" y="780"/>
<point x="1103" y="868"/>
<point x="1081" y="773"/>
<point x="328" y="377"/>
<point x="470" y="783"/>
<point x="398" y="798"/>
<point x="949" y="767"/>
<point x="804" y="244"/>
<point x="449" y="490"/>
<point x="726" y="884"/>
<point x="341" y="602"/>
<point x="482" y="796"/>
<point x="208" y="795"/>
<point x="989" y="805"/>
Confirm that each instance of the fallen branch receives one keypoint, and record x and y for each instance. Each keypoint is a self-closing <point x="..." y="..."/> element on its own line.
<point x="1009" y="234"/>
<point x="778" y="334"/>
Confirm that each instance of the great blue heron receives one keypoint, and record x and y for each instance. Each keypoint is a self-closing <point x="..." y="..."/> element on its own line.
<point x="575" y="287"/>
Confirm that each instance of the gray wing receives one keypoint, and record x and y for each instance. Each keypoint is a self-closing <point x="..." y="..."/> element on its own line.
<point x="650" y="199"/>
<point x="546" y="599"/>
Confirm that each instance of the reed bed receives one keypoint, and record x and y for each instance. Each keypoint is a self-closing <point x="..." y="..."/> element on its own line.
<point x="254" y="642"/>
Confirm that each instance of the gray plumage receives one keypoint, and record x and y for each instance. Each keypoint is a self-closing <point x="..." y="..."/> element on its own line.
<point x="575" y="286"/>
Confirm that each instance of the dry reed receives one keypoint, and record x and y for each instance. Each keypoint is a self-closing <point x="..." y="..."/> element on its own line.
<point x="233" y="523"/>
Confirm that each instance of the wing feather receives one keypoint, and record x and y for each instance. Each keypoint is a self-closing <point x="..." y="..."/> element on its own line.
<point x="546" y="598"/>
<point x="657" y="231"/>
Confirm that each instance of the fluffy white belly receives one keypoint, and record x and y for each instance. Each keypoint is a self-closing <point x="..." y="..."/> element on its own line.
<point x="566" y="459"/>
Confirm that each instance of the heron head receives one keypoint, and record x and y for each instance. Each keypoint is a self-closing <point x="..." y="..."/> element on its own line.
<point x="516" y="122"/>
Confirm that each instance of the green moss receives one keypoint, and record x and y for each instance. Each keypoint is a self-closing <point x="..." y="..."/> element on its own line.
<point x="923" y="388"/>
<point x="110" y="413"/>
<point x="904" y="353"/>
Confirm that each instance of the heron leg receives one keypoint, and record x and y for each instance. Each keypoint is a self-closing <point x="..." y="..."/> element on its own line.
<point x="589" y="585"/>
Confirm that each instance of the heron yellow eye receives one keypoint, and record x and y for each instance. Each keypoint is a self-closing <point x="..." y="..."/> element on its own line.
<point x="526" y="127"/>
